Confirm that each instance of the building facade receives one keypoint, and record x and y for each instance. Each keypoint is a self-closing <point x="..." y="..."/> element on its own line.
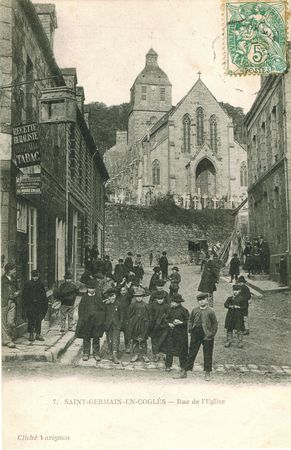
<point x="268" y="127"/>
<point x="188" y="150"/>
<point x="52" y="177"/>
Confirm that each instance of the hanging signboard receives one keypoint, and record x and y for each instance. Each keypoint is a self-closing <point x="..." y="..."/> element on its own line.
<point x="25" y="141"/>
<point x="29" y="183"/>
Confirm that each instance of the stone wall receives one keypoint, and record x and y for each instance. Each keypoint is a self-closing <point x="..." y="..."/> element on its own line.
<point x="130" y="228"/>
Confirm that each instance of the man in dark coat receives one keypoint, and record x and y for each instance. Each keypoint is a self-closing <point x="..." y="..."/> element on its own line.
<point x="138" y="326"/>
<point x="120" y="271"/>
<point x="35" y="305"/>
<point x="159" y="310"/>
<point x="155" y="277"/>
<point x="177" y="338"/>
<point x="164" y="264"/>
<point x="159" y="292"/>
<point x="209" y="279"/>
<point x="246" y="293"/>
<point x="91" y="320"/>
<point x="9" y="295"/>
<point x="128" y="263"/>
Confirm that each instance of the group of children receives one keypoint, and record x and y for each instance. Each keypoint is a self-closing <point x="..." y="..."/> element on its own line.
<point x="120" y="307"/>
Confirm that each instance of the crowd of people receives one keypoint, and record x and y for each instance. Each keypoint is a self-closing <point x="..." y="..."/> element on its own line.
<point x="115" y="302"/>
<point x="257" y="256"/>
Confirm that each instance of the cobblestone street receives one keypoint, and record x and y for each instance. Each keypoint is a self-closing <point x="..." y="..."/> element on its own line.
<point x="267" y="349"/>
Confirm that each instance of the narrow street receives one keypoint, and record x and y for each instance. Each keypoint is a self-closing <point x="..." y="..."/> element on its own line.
<point x="266" y="355"/>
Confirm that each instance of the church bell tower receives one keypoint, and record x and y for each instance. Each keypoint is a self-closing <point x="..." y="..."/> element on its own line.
<point x="150" y="98"/>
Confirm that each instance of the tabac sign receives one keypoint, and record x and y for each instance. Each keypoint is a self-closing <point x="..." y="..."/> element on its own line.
<point x="25" y="140"/>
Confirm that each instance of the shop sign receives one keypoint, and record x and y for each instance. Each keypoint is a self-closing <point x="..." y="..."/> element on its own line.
<point x="27" y="184"/>
<point x="25" y="141"/>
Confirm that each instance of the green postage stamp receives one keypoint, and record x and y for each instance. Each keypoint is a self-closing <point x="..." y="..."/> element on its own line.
<point x="255" y="36"/>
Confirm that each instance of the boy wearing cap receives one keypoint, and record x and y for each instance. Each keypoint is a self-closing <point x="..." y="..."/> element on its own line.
<point x="202" y="328"/>
<point x="138" y="326"/>
<point x="35" y="305"/>
<point x="177" y="338"/>
<point x="91" y="319"/>
<point x="112" y="324"/>
<point x="155" y="277"/>
<point x="9" y="295"/>
<point x="158" y="292"/>
<point x="246" y="293"/>
<point x="175" y="279"/>
<point x="67" y="294"/>
<point x="159" y="310"/>
<point x="236" y="306"/>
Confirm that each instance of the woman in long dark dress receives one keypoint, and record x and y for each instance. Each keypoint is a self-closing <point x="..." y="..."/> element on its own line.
<point x="209" y="279"/>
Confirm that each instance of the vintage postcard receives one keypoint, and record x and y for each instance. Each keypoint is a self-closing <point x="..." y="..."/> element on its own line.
<point x="145" y="224"/>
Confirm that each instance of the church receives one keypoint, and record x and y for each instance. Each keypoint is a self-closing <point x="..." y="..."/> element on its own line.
<point x="187" y="150"/>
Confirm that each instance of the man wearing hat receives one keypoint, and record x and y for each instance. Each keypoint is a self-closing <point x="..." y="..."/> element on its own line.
<point x="90" y="326"/>
<point x="67" y="293"/>
<point x="177" y="339"/>
<point x="35" y="305"/>
<point x="9" y="295"/>
<point x="236" y="306"/>
<point x="159" y="292"/>
<point x="202" y="328"/>
<point x="155" y="277"/>
<point x="164" y="264"/>
<point x="138" y="325"/>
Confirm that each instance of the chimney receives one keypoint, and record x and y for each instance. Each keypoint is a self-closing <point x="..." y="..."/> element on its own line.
<point x="47" y="15"/>
<point x="80" y="96"/>
<point x="70" y="76"/>
<point x="86" y="115"/>
<point x="121" y="139"/>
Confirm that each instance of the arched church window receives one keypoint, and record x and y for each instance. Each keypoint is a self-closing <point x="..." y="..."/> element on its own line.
<point x="243" y="174"/>
<point x="186" y="134"/>
<point x="200" y="125"/>
<point x="156" y="172"/>
<point x="213" y="133"/>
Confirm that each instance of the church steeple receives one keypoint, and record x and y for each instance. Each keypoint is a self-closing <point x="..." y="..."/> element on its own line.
<point x="151" y="58"/>
<point x="151" y="97"/>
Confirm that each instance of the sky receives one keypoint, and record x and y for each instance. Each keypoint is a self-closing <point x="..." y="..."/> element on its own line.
<point x="106" y="40"/>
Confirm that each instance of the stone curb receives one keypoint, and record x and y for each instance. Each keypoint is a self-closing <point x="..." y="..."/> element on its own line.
<point x="254" y="291"/>
<point x="49" y="355"/>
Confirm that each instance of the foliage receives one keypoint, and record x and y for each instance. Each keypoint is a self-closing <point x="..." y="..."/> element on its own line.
<point x="237" y="115"/>
<point x="104" y="121"/>
<point x="165" y="211"/>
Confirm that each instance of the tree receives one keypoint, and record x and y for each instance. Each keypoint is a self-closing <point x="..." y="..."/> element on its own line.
<point x="104" y="121"/>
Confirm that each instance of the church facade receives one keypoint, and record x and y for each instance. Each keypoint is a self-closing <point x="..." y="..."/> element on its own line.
<point x="187" y="150"/>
